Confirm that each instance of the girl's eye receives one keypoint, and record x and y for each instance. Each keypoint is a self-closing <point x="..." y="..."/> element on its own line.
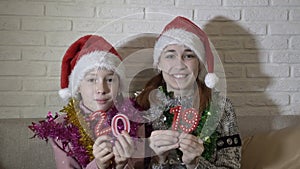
<point x="169" y="56"/>
<point x="92" y="80"/>
<point x="109" y="79"/>
<point x="189" y="56"/>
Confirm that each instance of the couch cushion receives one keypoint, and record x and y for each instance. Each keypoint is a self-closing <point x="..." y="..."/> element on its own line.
<point x="277" y="149"/>
<point x="18" y="150"/>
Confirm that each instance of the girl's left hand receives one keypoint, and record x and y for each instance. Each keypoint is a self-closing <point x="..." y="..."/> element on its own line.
<point x="103" y="151"/>
<point x="191" y="147"/>
<point x="123" y="149"/>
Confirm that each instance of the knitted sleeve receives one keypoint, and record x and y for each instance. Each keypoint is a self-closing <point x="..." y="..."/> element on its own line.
<point x="228" y="150"/>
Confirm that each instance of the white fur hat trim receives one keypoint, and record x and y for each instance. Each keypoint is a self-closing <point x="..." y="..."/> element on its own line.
<point x="180" y="36"/>
<point x="87" y="62"/>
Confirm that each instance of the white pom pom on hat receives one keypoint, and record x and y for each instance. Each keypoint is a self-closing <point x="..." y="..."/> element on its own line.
<point x="65" y="93"/>
<point x="182" y="31"/>
<point x="211" y="79"/>
<point x="86" y="53"/>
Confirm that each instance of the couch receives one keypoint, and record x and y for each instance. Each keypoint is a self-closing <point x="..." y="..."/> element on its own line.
<point x="268" y="143"/>
<point x="265" y="148"/>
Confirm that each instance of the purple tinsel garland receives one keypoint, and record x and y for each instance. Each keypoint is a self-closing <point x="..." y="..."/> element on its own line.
<point x="68" y="133"/>
<point x="63" y="132"/>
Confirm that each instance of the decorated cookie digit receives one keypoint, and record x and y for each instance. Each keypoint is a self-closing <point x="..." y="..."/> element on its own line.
<point x="189" y="120"/>
<point x="176" y="110"/>
<point x="99" y="127"/>
<point x="185" y="120"/>
<point x="114" y="124"/>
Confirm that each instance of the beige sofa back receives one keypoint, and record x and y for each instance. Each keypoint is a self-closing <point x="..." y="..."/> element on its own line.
<point x="18" y="151"/>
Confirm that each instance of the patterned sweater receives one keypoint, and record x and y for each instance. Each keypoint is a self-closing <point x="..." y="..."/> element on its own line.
<point x="227" y="151"/>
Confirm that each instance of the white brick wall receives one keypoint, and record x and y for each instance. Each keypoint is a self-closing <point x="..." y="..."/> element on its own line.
<point x="257" y="40"/>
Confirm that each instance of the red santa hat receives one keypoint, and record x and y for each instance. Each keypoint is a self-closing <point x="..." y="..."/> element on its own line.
<point x="182" y="31"/>
<point x="85" y="54"/>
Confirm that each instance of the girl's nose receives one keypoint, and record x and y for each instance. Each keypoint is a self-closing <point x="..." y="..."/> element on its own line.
<point x="179" y="63"/>
<point x="101" y="88"/>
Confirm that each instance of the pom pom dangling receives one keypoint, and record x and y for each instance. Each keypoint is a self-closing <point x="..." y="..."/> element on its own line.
<point x="65" y="94"/>
<point x="211" y="79"/>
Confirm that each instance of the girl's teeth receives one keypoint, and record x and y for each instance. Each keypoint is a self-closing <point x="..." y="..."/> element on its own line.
<point x="179" y="76"/>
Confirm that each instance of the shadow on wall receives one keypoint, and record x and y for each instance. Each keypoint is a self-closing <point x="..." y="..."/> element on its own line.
<point x="137" y="52"/>
<point x="243" y="63"/>
<point x="246" y="82"/>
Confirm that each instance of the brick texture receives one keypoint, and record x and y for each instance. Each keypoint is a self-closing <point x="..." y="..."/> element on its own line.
<point x="258" y="42"/>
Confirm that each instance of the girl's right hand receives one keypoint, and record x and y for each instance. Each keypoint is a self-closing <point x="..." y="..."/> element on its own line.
<point x="123" y="149"/>
<point x="103" y="152"/>
<point x="162" y="141"/>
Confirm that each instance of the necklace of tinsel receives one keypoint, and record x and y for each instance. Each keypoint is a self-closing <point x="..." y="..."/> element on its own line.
<point x="73" y="131"/>
<point x="202" y="131"/>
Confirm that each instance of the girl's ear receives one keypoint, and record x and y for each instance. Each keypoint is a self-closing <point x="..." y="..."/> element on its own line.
<point x="78" y="90"/>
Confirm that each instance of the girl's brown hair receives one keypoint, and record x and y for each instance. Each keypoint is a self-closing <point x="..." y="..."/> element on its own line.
<point x="143" y="101"/>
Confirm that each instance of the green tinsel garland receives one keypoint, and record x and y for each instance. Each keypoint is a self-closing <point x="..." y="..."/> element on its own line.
<point x="209" y="141"/>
